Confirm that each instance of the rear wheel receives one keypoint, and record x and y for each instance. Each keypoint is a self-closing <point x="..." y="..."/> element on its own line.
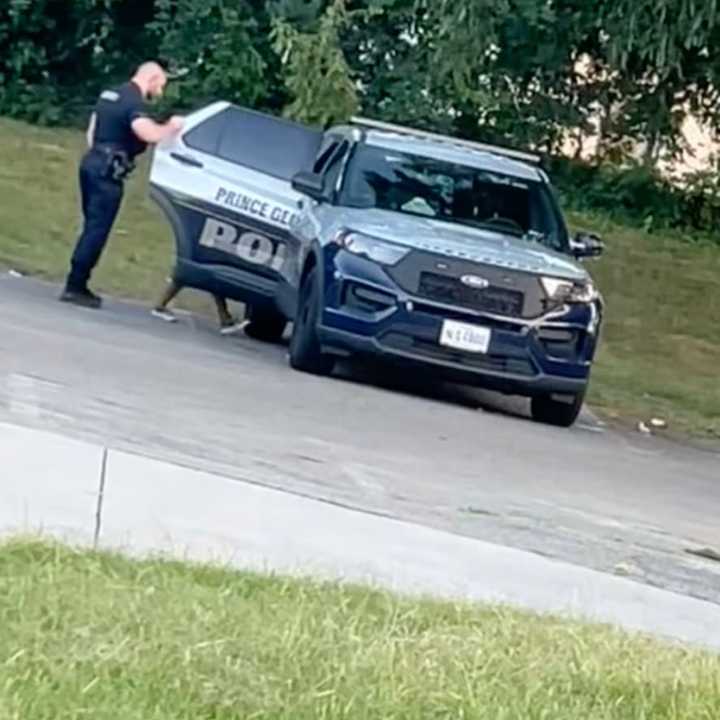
<point x="559" y="411"/>
<point x="265" y="324"/>
<point x="305" y="351"/>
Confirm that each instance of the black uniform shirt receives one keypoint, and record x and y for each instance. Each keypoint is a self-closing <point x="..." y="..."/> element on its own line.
<point x="116" y="110"/>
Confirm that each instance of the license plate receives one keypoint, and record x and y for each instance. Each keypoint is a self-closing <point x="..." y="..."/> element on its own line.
<point x="461" y="336"/>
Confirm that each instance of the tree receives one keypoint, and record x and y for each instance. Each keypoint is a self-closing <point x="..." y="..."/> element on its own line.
<point x="515" y="62"/>
<point x="315" y="72"/>
<point x="522" y="72"/>
<point x="222" y="45"/>
<point x="388" y="46"/>
<point x="48" y="50"/>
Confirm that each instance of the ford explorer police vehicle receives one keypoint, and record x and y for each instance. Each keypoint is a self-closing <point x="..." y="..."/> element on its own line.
<point x="375" y="239"/>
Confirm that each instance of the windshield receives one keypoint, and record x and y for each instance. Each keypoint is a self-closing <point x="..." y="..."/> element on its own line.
<point x="428" y="187"/>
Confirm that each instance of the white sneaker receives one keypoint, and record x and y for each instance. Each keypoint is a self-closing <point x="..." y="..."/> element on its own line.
<point x="164" y="314"/>
<point x="233" y="329"/>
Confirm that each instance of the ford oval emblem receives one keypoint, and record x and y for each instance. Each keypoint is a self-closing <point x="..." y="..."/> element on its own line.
<point x="474" y="281"/>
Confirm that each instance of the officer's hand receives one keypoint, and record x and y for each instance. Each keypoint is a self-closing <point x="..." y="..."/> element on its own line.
<point x="176" y="122"/>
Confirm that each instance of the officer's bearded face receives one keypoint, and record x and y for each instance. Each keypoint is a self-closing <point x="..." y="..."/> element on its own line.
<point x="156" y="87"/>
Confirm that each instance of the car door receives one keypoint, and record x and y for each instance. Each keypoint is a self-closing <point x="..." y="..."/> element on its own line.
<point x="329" y="165"/>
<point x="225" y="184"/>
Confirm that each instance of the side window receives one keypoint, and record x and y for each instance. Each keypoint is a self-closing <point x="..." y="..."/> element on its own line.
<point x="205" y="137"/>
<point x="268" y="144"/>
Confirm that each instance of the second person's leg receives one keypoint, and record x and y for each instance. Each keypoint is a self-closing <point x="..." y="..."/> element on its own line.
<point x="228" y="323"/>
<point x="162" y="310"/>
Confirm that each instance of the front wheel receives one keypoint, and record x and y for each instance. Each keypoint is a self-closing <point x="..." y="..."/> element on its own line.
<point x="305" y="351"/>
<point x="558" y="412"/>
<point x="266" y="325"/>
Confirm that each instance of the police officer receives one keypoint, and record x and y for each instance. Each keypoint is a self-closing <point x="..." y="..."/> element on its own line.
<point x="118" y="132"/>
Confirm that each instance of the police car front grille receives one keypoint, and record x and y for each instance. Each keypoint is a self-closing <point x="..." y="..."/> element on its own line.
<point x="451" y="291"/>
<point x="512" y="293"/>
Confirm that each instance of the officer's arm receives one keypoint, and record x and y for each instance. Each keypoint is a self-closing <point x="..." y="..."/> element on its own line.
<point x="90" y="135"/>
<point x="151" y="132"/>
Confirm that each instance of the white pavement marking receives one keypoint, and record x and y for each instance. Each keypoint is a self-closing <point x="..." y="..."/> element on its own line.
<point x="48" y="484"/>
<point x="153" y="507"/>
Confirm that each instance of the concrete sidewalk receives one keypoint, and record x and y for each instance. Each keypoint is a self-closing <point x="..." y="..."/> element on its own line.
<point x="92" y="495"/>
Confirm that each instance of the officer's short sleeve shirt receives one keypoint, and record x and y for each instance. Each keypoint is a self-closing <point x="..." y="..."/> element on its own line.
<point x="116" y="110"/>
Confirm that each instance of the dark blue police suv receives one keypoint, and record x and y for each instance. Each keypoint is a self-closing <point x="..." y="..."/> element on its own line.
<point x="449" y="257"/>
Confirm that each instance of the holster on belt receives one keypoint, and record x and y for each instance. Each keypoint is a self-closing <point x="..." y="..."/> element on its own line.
<point x="118" y="164"/>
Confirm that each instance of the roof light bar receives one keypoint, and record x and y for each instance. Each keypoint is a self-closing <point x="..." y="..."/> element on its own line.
<point x="448" y="139"/>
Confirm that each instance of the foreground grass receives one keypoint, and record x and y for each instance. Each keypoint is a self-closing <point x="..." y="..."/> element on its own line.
<point x="89" y="635"/>
<point x="661" y="349"/>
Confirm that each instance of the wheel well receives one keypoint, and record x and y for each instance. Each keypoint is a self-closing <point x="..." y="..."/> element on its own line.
<point x="183" y="246"/>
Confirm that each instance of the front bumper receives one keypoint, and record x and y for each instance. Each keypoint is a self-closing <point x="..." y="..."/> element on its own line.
<point x="366" y="313"/>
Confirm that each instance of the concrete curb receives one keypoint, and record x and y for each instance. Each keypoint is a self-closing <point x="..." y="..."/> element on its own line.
<point x="48" y="484"/>
<point x="126" y="502"/>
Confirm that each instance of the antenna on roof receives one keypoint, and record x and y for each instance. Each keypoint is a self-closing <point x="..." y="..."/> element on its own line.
<point x="448" y="139"/>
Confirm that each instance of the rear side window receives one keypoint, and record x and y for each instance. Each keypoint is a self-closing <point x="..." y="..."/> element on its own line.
<point x="205" y="137"/>
<point x="268" y="144"/>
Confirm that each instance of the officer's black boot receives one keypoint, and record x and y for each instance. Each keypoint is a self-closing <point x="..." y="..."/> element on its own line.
<point x="84" y="298"/>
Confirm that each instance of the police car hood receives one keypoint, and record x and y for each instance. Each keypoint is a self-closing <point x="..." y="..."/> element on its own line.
<point x="488" y="247"/>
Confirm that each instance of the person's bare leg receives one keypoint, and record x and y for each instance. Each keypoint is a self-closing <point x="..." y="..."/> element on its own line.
<point x="161" y="309"/>
<point x="228" y="323"/>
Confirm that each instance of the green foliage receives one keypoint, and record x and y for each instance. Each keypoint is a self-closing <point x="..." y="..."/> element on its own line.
<point x="639" y="196"/>
<point x="46" y="45"/>
<point x="300" y="13"/>
<point x="658" y="33"/>
<point x="220" y="43"/>
<point x="389" y="46"/>
<point x="502" y="71"/>
<point x="315" y="70"/>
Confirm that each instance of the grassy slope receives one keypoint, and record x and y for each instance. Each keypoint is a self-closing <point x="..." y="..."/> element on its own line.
<point x="86" y="635"/>
<point x="661" y="347"/>
<point x="661" y="351"/>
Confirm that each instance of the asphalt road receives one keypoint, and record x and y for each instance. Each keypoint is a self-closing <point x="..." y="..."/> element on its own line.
<point x="445" y="457"/>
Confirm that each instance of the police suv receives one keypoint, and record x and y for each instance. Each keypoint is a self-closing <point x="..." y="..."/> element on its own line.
<point x="375" y="239"/>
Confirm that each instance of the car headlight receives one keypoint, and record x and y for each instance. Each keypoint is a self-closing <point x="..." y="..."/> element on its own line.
<point x="379" y="251"/>
<point x="567" y="291"/>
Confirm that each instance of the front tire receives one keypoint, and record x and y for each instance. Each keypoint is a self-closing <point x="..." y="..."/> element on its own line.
<point x="305" y="350"/>
<point x="265" y="324"/>
<point x="559" y="413"/>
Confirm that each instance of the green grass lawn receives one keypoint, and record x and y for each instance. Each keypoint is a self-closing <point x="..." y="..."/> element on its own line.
<point x="86" y="635"/>
<point x="660" y="354"/>
<point x="661" y="349"/>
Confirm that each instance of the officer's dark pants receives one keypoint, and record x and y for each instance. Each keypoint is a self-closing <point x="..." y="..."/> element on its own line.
<point x="101" y="200"/>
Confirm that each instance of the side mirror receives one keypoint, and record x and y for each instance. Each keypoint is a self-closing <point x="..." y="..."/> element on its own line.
<point x="586" y="245"/>
<point x="310" y="184"/>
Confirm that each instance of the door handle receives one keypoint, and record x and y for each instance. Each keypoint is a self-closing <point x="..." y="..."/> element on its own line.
<point x="186" y="160"/>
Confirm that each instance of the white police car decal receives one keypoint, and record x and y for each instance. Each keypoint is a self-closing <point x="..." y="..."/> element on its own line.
<point x="255" y="206"/>
<point x="246" y="245"/>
